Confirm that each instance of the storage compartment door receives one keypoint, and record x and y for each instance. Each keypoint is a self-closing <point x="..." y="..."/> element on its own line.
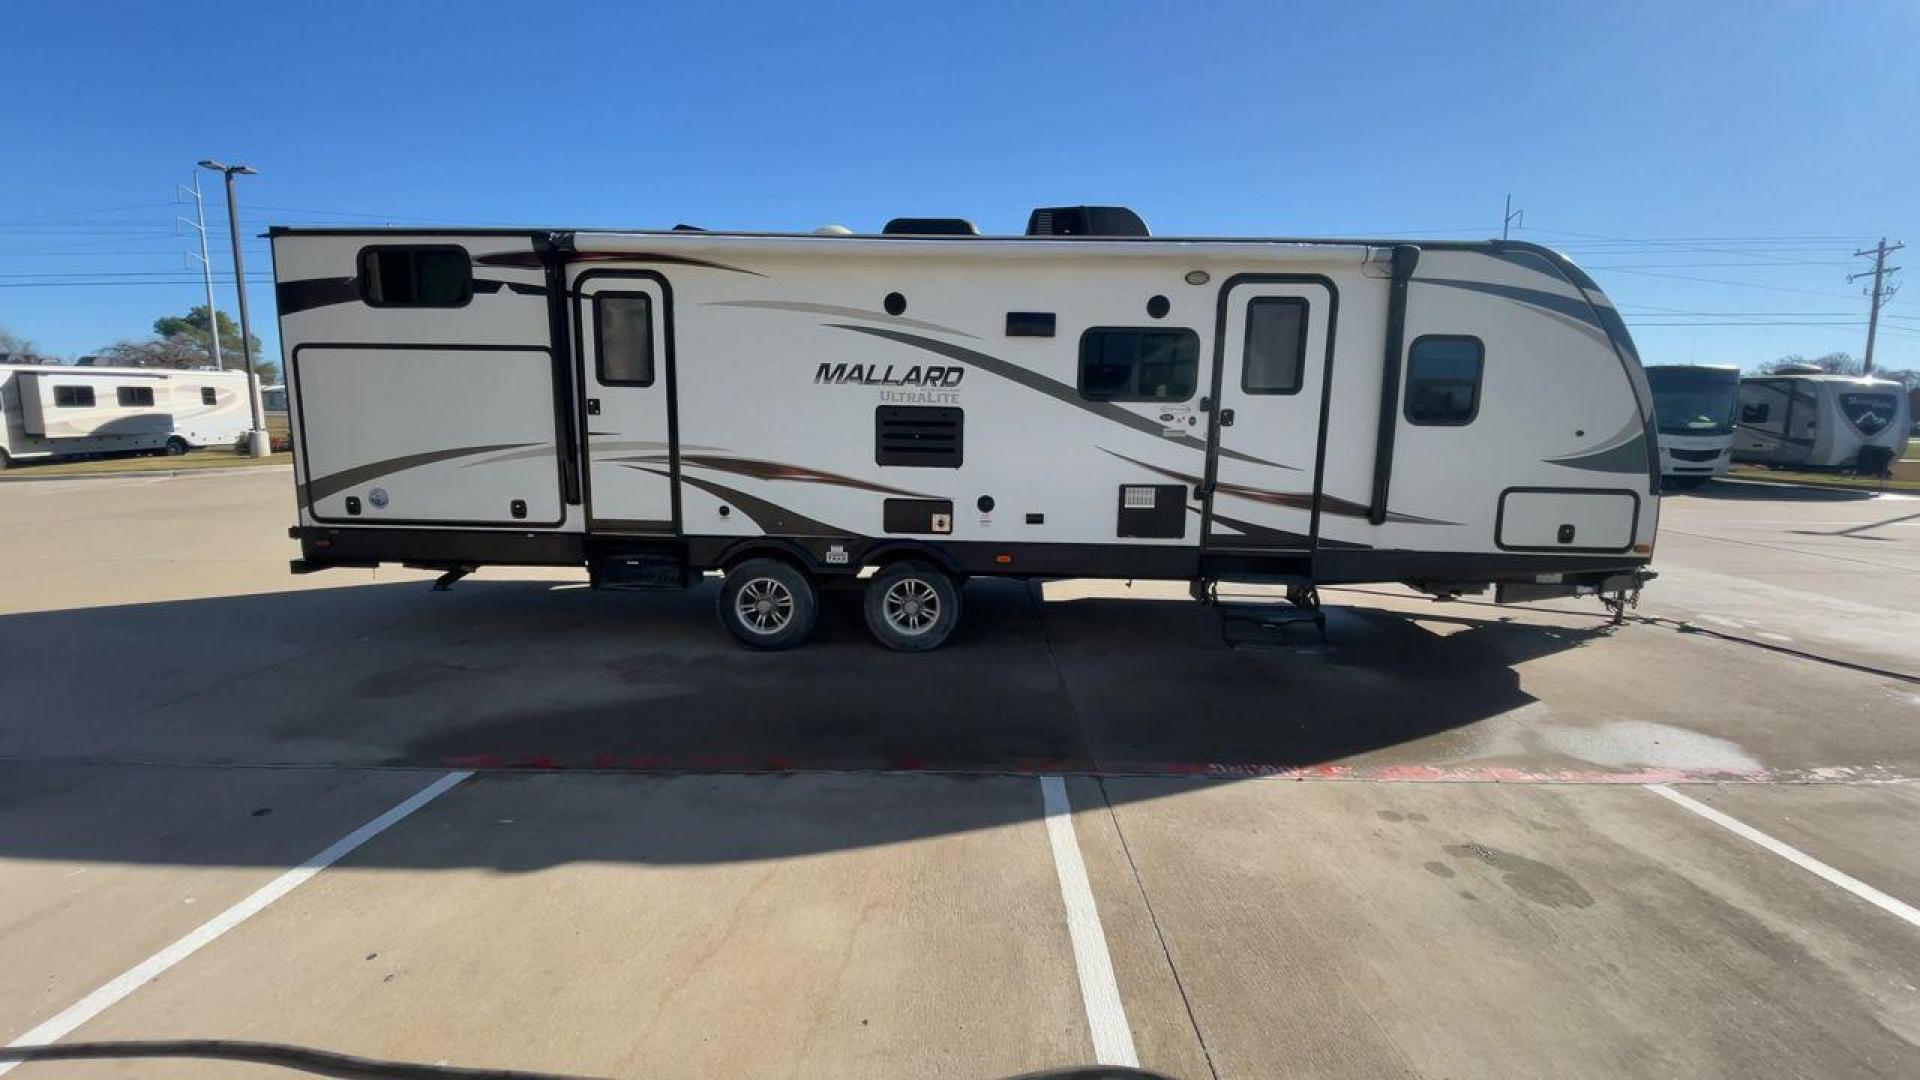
<point x="427" y="434"/>
<point x="1572" y="520"/>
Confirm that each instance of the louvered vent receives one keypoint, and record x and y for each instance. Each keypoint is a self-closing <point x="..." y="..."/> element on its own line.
<point x="926" y="436"/>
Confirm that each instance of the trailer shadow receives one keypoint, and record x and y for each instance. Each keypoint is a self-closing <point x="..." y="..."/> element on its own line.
<point x="533" y="676"/>
<point x="1776" y="491"/>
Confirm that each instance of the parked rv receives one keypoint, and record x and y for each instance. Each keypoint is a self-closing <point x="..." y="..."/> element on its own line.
<point x="1693" y="409"/>
<point x="1813" y="420"/>
<point x="54" y="411"/>
<point x="899" y="412"/>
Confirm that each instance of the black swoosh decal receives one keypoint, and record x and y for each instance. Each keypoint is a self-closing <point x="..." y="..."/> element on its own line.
<point x="308" y="293"/>
<point x="1059" y="391"/>
<point x="1571" y="307"/>
<point x="335" y="483"/>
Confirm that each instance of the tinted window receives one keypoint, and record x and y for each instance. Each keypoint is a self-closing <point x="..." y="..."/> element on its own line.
<point x="206" y="395"/>
<point x="623" y="329"/>
<point x="1443" y="380"/>
<point x="1755" y="412"/>
<point x="1122" y="364"/>
<point x="416" y="276"/>
<point x="1276" y="344"/>
<point x="134" y="396"/>
<point x="73" y="397"/>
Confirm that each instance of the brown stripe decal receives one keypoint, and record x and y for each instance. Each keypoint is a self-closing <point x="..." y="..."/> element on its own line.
<point x="1294" y="500"/>
<point x="774" y="520"/>
<point x="335" y="483"/>
<point x="531" y="259"/>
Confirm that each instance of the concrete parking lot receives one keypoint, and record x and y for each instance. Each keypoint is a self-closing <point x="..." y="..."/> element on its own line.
<point x="1460" y="840"/>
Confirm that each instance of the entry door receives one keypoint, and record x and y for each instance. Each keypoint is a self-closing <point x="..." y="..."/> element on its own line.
<point x="626" y="391"/>
<point x="1269" y="378"/>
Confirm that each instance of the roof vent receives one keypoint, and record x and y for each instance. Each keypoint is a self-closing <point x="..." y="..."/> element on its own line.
<point x="1797" y="369"/>
<point x="1085" y="221"/>
<point x="929" y="226"/>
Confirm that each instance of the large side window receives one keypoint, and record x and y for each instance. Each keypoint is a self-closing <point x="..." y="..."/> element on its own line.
<point x="416" y="276"/>
<point x="623" y="336"/>
<point x="1120" y="363"/>
<point x="134" y="397"/>
<point x="1443" y="379"/>
<point x="73" y="397"/>
<point x="1755" y="412"/>
<point x="1276" y="345"/>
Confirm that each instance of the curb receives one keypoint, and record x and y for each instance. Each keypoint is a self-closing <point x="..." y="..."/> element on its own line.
<point x="9" y="478"/>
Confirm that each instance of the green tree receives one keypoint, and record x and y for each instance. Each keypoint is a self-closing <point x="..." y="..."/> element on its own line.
<point x="184" y="341"/>
<point x="193" y="326"/>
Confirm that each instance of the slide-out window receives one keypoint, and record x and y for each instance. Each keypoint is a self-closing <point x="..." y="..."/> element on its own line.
<point x="134" y="397"/>
<point x="1120" y="363"/>
<point x="440" y="276"/>
<point x="1276" y="345"/>
<point x="1443" y="379"/>
<point x="206" y="395"/>
<point x="73" y="397"/>
<point x="623" y="336"/>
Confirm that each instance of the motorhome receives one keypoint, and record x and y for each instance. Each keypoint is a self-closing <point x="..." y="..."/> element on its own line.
<point x="53" y="410"/>
<point x="1693" y="410"/>
<point x="898" y="412"/>
<point x="1806" y="418"/>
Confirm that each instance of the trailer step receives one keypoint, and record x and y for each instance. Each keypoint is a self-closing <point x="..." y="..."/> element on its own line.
<point x="1270" y="625"/>
<point x="640" y="571"/>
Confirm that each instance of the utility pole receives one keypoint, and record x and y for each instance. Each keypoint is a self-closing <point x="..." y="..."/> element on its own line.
<point x="199" y="224"/>
<point x="1511" y="217"/>
<point x="1879" y="293"/>
<point x="261" y="447"/>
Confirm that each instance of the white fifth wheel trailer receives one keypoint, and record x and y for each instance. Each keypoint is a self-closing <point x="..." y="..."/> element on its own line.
<point x="905" y="410"/>
<point x="54" y="410"/>
<point x="1809" y="419"/>
<point x="1693" y="410"/>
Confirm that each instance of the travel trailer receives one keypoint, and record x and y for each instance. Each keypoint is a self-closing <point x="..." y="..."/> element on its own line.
<point x="902" y="411"/>
<point x="1693" y="410"/>
<point x="1805" y="418"/>
<point x="54" y="411"/>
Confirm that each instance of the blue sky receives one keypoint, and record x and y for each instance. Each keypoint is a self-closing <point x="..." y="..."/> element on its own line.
<point x="1711" y="164"/>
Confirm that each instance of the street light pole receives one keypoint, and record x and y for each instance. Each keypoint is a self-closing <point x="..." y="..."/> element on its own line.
<point x="259" y="444"/>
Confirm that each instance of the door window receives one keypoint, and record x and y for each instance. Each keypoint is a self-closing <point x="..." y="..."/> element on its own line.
<point x="1276" y="345"/>
<point x="623" y="328"/>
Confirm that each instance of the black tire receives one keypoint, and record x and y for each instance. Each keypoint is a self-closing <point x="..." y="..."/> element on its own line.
<point x="176" y="446"/>
<point x="767" y="604"/>
<point x="912" y="606"/>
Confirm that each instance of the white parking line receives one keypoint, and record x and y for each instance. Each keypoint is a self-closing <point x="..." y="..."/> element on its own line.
<point x="63" y="1023"/>
<point x="1099" y="993"/>
<point x="1793" y="855"/>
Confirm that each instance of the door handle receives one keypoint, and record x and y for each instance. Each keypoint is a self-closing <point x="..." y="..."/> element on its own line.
<point x="593" y="406"/>
<point x="1226" y="417"/>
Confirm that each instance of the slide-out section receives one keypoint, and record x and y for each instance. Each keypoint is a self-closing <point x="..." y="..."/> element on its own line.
<point x="428" y="435"/>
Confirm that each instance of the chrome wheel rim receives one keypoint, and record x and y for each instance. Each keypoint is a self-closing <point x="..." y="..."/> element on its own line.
<point x="764" y="605"/>
<point x="911" y="606"/>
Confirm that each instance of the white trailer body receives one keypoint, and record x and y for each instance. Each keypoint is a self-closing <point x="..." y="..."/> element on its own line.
<point x="53" y="410"/>
<point x="652" y="405"/>
<point x="1693" y="409"/>
<point x="1822" y="421"/>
